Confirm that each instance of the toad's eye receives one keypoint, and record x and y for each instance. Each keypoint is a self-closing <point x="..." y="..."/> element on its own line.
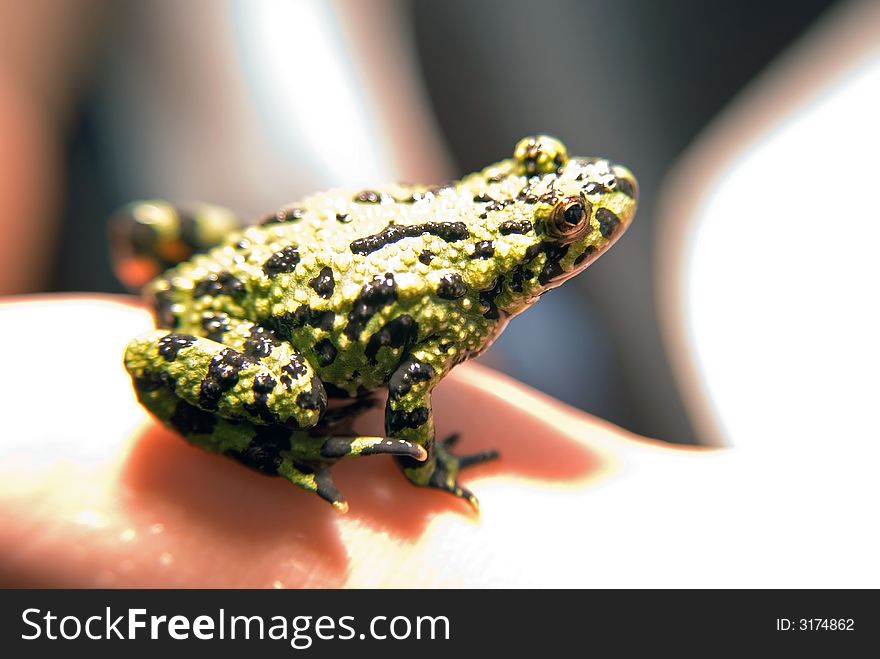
<point x="573" y="214"/>
<point x="570" y="219"/>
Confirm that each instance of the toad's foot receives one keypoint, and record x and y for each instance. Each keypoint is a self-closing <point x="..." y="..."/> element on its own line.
<point x="447" y="467"/>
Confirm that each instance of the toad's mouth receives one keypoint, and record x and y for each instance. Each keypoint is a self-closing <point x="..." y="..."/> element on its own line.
<point x="564" y="276"/>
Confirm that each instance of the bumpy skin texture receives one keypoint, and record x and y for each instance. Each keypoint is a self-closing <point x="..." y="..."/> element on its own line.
<point x="348" y="292"/>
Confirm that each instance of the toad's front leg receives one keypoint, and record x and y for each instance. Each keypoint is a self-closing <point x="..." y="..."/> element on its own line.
<point x="408" y="416"/>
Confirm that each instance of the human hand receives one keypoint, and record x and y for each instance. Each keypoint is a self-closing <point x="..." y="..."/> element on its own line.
<point x="94" y="492"/>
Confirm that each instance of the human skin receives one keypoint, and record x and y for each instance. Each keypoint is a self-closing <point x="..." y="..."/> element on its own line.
<point x="93" y="492"/>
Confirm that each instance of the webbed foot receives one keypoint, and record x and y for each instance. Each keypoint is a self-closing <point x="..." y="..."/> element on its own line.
<point x="448" y="465"/>
<point x="308" y="463"/>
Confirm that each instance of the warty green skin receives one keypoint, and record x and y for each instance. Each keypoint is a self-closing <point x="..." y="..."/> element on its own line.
<point x="255" y="333"/>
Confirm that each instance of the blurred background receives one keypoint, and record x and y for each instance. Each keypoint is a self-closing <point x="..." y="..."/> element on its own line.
<point x="254" y="104"/>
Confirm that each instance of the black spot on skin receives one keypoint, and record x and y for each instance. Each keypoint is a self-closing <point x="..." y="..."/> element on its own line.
<point x="483" y="249"/>
<point x="487" y="299"/>
<point x="532" y="251"/>
<point x="323" y="284"/>
<point x="190" y="420"/>
<point x="594" y="187"/>
<point x="498" y="205"/>
<point x="215" y="325"/>
<point x="397" y="420"/>
<point x="260" y="342"/>
<point x="519" y="276"/>
<point x="552" y="269"/>
<point x="284" y="260"/>
<point x="243" y="244"/>
<point x="282" y="324"/>
<point x="482" y="198"/>
<point x="444" y="347"/>
<point x="426" y="256"/>
<point x="304" y="315"/>
<point x="322" y="320"/>
<point x="608" y="222"/>
<point x="549" y="198"/>
<point x="343" y="218"/>
<point x="292" y="371"/>
<point x="627" y="187"/>
<point x="585" y="255"/>
<point x="264" y="451"/>
<point x="234" y="360"/>
<point x="222" y="376"/>
<point x="283" y="215"/>
<point x="451" y="287"/>
<point x="313" y="399"/>
<point x="171" y="344"/>
<point x="410" y="371"/>
<point x="210" y="392"/>
<point x="162" y="305"/>
<point x="555" y="253"/>
<point x="263" y="383"/>
<point x="375" y="294"/>
<point x="448" y="231"/>
<point x="326" y="352"/>
<point x="220" y="283"/>
<point x="512" y="226"/>
<point x="368" y="197"/>
<point x="401" y="332"/>
<point x="262" y="386"/>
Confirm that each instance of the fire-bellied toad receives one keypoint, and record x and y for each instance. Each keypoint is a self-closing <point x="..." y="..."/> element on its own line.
<point x="348" y="292"/>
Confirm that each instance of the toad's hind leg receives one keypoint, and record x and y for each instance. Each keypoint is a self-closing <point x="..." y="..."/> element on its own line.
<point x="307" y="463"/>
<point x="296" y="455"/>
<point x="272" y="384"/>
<point x="148" y="237"/>
<point x="266" y="449"/>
